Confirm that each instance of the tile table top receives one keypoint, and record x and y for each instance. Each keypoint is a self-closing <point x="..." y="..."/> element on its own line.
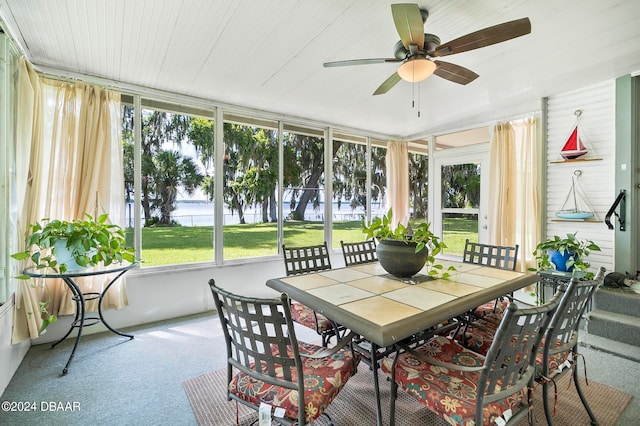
<point x="385" y="309"/>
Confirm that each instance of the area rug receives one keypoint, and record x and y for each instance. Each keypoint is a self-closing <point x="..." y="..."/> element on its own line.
<point x="354" y="406"/>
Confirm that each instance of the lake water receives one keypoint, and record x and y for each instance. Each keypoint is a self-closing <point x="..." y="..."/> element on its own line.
<point x="200" y="213"/>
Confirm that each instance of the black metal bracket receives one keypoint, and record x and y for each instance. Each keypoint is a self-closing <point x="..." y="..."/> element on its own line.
<point x="620" y="200"/>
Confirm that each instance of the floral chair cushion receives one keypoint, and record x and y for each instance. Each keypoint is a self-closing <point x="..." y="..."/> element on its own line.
<point x="306" y="316"/>
<point x="449" y="393"/>
<point x="324" y="377"/>
<point x="493" y="307"/>
<point x="479" y="340"/>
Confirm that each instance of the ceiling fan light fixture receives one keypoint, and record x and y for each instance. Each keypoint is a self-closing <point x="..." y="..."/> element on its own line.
<point x="416" y="69"/>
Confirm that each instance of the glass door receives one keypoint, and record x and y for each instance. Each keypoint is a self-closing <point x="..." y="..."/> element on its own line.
<point x="460" y="191"/>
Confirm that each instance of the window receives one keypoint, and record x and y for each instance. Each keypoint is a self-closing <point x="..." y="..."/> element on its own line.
<point x="273" y="184"/>
<point x="349" y="187"/>
<point x="8" y="202"/>
<point x="418" y="180"/>
<point x="250" y="189"/>
<point x="378" y="178"/>
<point x="303" y="186"/>
<point x="176" y="206"/>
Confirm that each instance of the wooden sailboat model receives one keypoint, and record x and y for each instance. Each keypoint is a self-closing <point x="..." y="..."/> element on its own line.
<point x="575" y="205"/>
<point x="574" y="147"/>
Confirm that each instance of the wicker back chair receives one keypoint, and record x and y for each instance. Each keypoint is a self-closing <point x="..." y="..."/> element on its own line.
<point x="266" y="362"/>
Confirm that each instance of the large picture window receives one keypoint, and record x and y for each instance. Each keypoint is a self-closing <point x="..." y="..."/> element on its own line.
<point x="250" y="187"/>
<point x="303" y="186"/>
<point x="175" y="188"/>
<point x="273" y="184"/>
<point x="349" y="168"/>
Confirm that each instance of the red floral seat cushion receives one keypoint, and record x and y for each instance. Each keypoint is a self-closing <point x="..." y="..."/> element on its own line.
<point x="480" y="339"/>
<point x="449" y="393"/>
<point x="323" y="379"/>
<point x="492" y="308"/>
<point x="306" y="316"/>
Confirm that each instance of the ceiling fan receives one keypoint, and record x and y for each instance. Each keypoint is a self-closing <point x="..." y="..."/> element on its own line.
<point x="416" y="49"/>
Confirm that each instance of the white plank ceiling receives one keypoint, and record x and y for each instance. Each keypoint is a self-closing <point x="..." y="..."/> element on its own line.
<point x="268" y="54"/>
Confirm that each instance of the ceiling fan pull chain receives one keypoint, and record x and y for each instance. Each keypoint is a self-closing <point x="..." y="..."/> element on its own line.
<point x="418" y="99"/>
<point x="413" y="95"/>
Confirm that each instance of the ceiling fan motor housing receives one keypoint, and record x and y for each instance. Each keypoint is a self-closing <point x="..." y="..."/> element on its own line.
<point x="431" y="41"/>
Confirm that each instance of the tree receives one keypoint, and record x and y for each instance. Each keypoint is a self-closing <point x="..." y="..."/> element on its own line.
<point x="350" y="174"/>
<point x="172" y="171"/>
<point x="308" y="155"/>
<point x="160" y="179"/>
<point x="418" y="183"/>
<point x="461" y="185"/>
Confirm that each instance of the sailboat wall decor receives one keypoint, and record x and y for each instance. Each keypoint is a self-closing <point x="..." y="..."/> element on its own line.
<point x="574" y="147"/>
<point x="575" y="206"/>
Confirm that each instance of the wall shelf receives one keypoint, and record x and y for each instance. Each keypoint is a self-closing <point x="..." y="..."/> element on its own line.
<point x="592" y="220"/>
<point x="577" y="160"/>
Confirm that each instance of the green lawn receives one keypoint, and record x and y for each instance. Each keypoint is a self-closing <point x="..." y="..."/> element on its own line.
<point x="455" y="230"/>
<point x="189" y="244"/>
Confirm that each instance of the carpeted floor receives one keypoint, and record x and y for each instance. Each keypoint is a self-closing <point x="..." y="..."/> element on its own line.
<point x="355" y="403"/>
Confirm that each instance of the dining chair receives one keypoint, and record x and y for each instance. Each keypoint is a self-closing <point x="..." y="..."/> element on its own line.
<point x="462" y="386"/>
<point x="267" y="364"/>
<point x="558" y="352"/>
<point x="303" y="260"/>
<point x="359" y="252"/>
<point x="501" y="257"/>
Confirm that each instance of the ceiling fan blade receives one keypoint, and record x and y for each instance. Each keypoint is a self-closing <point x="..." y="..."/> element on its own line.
<point x="485" y="37"/>
<point x="360" y="62"/>
<point x="388" y="84"/>
<point x="408" y="21"/>
<point x="455" y="73"/>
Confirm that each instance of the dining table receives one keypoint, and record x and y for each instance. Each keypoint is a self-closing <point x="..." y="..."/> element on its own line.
<point x="384" y="309"/>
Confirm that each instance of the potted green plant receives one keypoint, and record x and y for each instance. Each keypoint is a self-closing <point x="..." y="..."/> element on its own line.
<point x="564" y="254"/>
<point x="405" y="250"/>
<point x="61" y="246"/>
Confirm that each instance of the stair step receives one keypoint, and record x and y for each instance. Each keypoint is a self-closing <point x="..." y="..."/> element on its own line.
<point x="621" y="301"/>
<point x="614" y="326"/>
<point x="602" y="344"/>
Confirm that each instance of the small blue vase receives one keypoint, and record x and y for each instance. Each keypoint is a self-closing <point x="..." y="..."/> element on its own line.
<point x="560" y="260"/>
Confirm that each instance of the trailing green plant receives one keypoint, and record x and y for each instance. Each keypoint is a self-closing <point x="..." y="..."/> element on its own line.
<point x="43" y="305"/>
<point x="578" y="250"/>
<point x="421" y="235"/>
<point x="90" y="242"/>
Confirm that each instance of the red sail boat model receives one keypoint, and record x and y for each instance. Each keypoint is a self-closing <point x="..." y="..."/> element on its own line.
<point x="574" y="147"/>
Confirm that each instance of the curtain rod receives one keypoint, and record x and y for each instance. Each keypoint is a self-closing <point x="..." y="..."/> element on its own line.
<point x="517" y="117"/>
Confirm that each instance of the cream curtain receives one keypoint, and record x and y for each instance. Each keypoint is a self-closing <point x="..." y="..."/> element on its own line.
<point x="74" y="165"/>
<point x="27" y="321"/>
<point x="503" y="184"/>
<point x="397" y="162"/>
<point x="514" y="199"/>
